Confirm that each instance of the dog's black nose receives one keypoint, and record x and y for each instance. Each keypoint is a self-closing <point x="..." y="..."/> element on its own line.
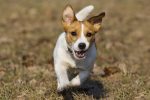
<point x="82" y="46"/>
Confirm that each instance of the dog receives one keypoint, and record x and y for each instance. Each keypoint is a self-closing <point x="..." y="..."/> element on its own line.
<point x="75" y="47"/>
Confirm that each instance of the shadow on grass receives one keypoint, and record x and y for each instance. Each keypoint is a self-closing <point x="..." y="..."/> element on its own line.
<point x="91" y="88"/>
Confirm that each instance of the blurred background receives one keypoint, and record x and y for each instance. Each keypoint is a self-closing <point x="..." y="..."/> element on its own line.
<point x="29" y="30"/>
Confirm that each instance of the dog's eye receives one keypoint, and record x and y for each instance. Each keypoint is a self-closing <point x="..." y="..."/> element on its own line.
<point x="89" y="34"/>
<point x="73" y="33"/>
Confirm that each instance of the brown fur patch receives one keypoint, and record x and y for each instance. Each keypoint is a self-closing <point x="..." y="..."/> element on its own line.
<point x="71" y="25"/>
<point x="89" y="28"/>
<point x="76" y="27"/>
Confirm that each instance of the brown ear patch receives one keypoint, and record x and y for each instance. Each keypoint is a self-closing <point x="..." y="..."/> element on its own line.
<point x="68" y="15"/>
<point x="97" y="19"/>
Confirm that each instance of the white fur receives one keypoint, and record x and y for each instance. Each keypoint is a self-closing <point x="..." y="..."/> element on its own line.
<point x="84" y="12"/>
<point x="82" y="39"/>
<point x="63" y="60"/>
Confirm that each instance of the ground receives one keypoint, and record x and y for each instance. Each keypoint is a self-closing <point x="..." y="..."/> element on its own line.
<point x="29" y="30"/>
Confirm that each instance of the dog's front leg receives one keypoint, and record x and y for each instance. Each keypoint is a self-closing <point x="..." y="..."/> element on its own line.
<point x="79" y="79"/>
<point x="62" y="77"/>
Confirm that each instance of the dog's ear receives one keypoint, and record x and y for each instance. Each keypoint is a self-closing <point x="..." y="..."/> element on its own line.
<point x="68" y="15"/>
<point x="96" y="21"/>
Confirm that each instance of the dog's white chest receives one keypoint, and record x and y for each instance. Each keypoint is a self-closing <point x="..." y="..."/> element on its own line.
<point x="62" y="55"/>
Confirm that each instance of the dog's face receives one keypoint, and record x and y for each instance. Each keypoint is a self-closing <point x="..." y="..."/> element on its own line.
<point x="80" y="34"/>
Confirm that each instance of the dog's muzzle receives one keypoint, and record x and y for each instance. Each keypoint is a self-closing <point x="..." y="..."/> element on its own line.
<point x="78" y="54"/>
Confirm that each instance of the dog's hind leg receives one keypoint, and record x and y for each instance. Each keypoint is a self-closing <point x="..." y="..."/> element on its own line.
<point x="80" y="78"/>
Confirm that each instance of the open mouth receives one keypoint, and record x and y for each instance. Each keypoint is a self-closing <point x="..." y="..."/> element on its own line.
<point x="80" y="54"/>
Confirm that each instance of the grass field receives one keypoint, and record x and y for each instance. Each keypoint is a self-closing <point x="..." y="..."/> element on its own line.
<point x="28" y="32"/>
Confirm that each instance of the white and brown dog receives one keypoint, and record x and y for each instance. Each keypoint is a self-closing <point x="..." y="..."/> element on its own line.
<point x="75" y="48"/>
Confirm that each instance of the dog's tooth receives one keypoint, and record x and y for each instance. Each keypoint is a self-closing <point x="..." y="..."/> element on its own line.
<point x="80" y="54"/>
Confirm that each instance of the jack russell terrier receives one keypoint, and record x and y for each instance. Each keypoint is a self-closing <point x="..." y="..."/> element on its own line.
<point x="75" y="48"/>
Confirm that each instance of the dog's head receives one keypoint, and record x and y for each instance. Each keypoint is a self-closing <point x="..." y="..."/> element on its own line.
<point x="80" y="34"/>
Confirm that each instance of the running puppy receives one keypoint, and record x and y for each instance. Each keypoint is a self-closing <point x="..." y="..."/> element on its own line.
<point x="75" y="48"/>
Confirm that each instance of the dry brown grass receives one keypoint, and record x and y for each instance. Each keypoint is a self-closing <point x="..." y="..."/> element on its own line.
<point x="29" y="29"/>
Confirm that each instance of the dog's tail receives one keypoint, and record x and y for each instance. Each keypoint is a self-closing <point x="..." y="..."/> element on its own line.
<point x="83" y="13"/>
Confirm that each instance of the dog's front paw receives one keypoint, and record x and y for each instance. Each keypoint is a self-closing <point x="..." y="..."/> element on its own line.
<point x="60" y="90"/>
<point x="75" y="82"/>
